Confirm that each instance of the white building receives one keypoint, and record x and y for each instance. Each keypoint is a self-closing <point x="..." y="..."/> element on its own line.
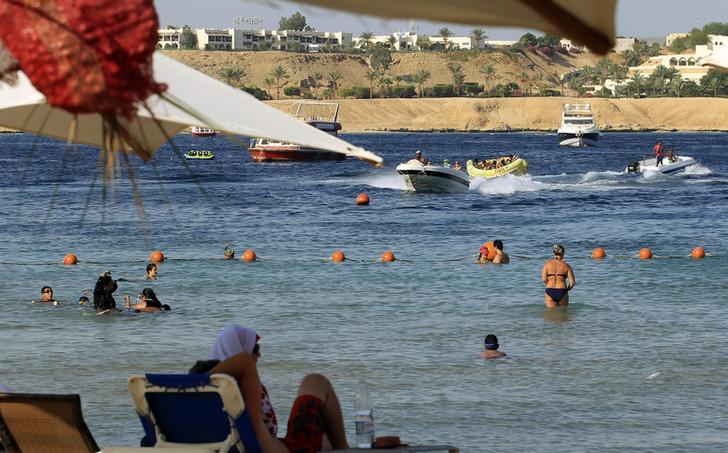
<point x="239" y="39"/>
<point x="408" y="41"/>
<point x="669" y="39"/>
<point x="621" y="44"/>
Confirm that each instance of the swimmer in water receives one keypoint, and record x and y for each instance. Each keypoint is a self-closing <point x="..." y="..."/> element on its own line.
<point x="152" y="270"/>
<point x="105" y="287"/>
<point x="554" y="274"/>
<point x="147" y="302"/>
<point x="490" y="348"/>
<point x="501" y="257"/>
<point x="46" y="296"/>
<point x="229" y="253"/>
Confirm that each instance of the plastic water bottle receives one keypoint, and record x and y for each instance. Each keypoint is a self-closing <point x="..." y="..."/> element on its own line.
<point x="364" y="416"/>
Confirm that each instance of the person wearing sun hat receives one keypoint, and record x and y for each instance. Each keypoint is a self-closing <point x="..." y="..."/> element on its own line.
<point x="315" y="421"/>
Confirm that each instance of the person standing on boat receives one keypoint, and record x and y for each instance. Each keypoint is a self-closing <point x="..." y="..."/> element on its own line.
<point x="659" y="151"/>
<point x="554" y="274"/>
<point x="421" y="158"/>
<point x="671" y="155"/>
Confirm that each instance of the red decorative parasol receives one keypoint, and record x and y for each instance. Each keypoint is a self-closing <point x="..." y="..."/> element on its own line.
<point x="85" y="56"/>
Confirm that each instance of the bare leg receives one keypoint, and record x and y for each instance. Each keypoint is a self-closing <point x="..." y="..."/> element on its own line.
<point x="550" y="303"/>
<point x="318" y="386"/>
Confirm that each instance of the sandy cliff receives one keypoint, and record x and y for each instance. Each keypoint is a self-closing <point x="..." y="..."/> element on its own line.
<point x="536" y="114"/>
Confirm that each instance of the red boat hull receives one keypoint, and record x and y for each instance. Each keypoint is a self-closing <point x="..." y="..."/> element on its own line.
<point x="283" y="154"/>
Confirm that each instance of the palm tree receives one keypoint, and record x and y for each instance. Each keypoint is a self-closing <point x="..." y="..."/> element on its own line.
<point x="488" y="72"/>
<point x="676" y="85"/>
<point x="458" y="76"/>
<point x="384" y="83"/>
<point x="334" y="77"/>
<point x="366" y="37"/>
<point x="317" y="78"/>
<point x="231" y="75"/>
<point x="392" y="41"/>
<point x="420" y="77"/>
<point x="269" y="82"/>
<point x="638" y="79"/>
<point x="715" y="83"/>
<point x="445" y="33"/>
<point x="280" y="74"/>
<point x="603" y="69"/>
<point x="371" y="76"/>
<point x="478" y="35"/>
<point x="619" y="73"/>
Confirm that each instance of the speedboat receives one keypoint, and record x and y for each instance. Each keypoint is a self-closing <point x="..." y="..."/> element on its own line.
<point x="203" y="131"/>
<point x="432" y="178"/>
<point x="577" y="126"/>
<point x="199" y="154"/>
<point x="669" y="166"/>
<point x="321" y="115"/>
<point x="499" y="167"/>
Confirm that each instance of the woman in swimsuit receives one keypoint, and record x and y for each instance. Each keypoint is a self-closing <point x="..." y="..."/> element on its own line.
<point x="146" y="302"/>
<point x="554" y="275"/>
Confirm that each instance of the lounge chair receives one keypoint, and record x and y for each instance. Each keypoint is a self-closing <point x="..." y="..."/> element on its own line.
<point x="37" y="423"/>
<point x="205" y="411"/>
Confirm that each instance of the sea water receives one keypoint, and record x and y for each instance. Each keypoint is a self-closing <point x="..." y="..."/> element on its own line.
<point x="637" y="361"/>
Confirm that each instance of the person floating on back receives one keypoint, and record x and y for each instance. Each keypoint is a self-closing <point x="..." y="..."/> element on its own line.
<point x="490" y="348"/>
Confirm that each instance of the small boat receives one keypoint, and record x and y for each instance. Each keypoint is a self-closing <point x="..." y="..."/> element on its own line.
<point x="516" y="165"/>
<point x="199" y="154"/>
<point x="577" y="126"/>
<point x="321" y="115"/>
<point x="668" y="167"/>
<point x="203" y="131"/>
<point x="432" y="178"/>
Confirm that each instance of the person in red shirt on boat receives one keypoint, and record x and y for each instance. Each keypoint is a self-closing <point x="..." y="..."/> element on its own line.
<point x="659" y="151"/>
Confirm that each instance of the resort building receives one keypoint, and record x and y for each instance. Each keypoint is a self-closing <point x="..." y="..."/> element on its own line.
<point x="621" y="44"/>
<point x="408" y="41"/>
<point x="239" y="39"/>
<point x="672" y="37"/>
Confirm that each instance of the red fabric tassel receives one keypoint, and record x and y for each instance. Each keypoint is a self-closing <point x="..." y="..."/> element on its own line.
<point x="85" y="56"/>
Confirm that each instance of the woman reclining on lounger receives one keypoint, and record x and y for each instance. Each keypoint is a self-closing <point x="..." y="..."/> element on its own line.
<point x="315" y="421"/>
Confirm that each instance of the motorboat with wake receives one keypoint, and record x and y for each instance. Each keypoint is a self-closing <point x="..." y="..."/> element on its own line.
<point x="577" y="126"/>
<point x="432" y="178"/>
<point x="500" y="166"/>
<point x="669" y="165"/>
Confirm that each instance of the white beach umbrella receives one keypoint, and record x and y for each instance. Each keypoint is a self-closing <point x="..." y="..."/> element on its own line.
<point x="590" y="22"/>
<point x="192" y="99"/>
<point x="718" y="59"/>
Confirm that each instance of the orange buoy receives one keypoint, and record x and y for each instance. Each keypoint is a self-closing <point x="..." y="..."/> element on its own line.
<point x="338" y="257"/>
<point x="645" y="253"/>
<point x="698" y="253"/>
<point x="249" y="256"/>
<point x="362" y="199"/>
<point x="598" y="253"/>
<point x="156" y="257"/>
<point x="71" y="259"/>
<point x="388" y="257"/>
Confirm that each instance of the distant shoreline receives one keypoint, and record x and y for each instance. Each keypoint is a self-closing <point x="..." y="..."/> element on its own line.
<point x="526" y="114"/>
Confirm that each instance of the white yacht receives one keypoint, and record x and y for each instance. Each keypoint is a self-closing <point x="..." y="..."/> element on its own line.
<point x="577" y="126"/>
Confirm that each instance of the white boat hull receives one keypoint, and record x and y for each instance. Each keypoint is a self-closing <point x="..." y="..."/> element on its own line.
<point x="667" y="168"/>
<point x="433" y="178"/>
<point x="572" y="140"/>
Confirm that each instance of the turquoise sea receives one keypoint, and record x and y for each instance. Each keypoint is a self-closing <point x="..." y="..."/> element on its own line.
<point x="637" y="362"/>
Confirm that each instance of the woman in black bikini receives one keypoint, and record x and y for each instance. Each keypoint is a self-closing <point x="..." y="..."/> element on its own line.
<point x="554" y="275"/>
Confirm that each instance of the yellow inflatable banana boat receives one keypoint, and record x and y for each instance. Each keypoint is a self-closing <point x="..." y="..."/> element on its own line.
<point x="499" y="167"/>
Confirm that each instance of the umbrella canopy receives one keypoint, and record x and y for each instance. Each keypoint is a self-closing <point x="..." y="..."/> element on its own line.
<point x="192" y="99"/>
<point x="590" y="22"/>
<point x="718" y="59"/>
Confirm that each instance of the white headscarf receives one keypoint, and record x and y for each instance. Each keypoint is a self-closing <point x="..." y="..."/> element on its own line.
<point x="233" y="340"/>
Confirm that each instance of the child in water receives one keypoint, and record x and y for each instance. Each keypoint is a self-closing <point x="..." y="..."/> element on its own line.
<point x="490" y="345"/>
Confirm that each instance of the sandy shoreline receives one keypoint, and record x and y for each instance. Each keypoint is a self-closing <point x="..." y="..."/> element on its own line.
<point x="525" y="114"/>
<point x="531" y="114"/>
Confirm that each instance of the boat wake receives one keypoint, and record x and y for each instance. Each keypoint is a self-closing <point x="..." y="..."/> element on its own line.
<point x="506" y="185"/>
<point x="385" y="181"/>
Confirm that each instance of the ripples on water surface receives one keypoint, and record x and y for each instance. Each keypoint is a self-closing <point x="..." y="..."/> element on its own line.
<point x="638" y="361"/>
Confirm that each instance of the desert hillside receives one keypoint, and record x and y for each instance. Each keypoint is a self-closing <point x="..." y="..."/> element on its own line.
<point x="508" y="67"/>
